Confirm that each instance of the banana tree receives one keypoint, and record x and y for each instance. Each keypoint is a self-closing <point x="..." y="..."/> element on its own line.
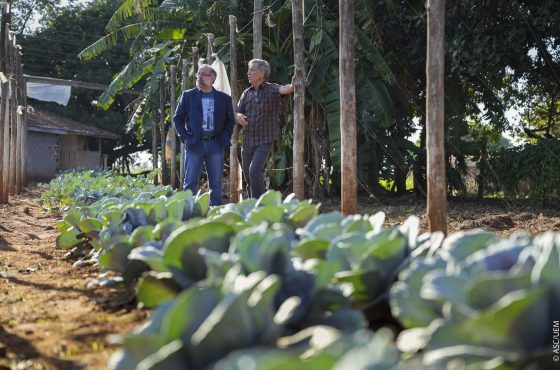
<point x="162" y="33"/>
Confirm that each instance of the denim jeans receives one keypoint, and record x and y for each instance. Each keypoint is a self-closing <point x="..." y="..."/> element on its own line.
<point x="211" y="153"/>
<point x="254" y="159"/>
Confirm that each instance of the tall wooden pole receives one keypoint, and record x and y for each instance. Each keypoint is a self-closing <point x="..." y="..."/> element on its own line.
<point x="13" y="115"/>
<point x="210" y="49"/>
<point x="4" y="107"/>
<point x="162" y="131"/>
<point x="194" y="63"/>
<point x="23" y="91"/>
<point x="257" y="29"/>
<point x="435" y="136"/>
<point x="299" y="101"/>
<point x="234" y="167"/>
<point x="155" y="146"/>
<point x="184" y="86"/>
<point x="172" y="98"/>
<point x="3" y="123"/>
<point x="348" y="146"/>
<point x="16" y="120"/>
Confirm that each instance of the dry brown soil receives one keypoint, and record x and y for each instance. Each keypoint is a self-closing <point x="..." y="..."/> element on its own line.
<point x="50" y="320"/>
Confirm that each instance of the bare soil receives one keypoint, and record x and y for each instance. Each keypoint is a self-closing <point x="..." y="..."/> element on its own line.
<point x="496" y="215"/>
<point x="49" y="319"/>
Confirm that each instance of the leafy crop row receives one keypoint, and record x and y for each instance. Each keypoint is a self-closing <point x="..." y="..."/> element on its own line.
<point x="271" y="283"/>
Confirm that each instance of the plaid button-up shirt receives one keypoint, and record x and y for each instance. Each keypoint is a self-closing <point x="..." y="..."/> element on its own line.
<point x="262" y="107"/>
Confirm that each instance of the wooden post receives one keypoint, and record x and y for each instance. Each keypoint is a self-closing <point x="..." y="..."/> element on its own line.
<point x="23" y="92"/>
<point x="210" y="57"/>
<point x="184" y="86"/>
<point x="4" y="107"/>
<point x="349" y="181"/>
<point x="194" y="63"/>
<point x="257" y="29"/>
<point x="19" y="146"/>
<point x="3" y="175"/>
<point x="155" y="147"/>
<point x="435" y="135"/>
<point x="13" y="115"/>
<point x="234" y="167"/>
<point x="173" y="170"/>
<point x="6" y="142"/>
<point x="162" y="136"/>
<point x="299" y="101"/>
<point x="18" y="124"/>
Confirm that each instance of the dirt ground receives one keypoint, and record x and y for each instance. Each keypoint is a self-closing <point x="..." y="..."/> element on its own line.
<point x="496" y="215"/>
<point x="49" y="319"/>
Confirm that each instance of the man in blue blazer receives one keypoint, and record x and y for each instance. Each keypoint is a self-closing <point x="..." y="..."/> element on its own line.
<point x="204" y="121"/>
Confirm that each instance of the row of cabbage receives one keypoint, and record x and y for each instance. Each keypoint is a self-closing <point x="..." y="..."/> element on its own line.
<point x="78" y="187"/>
<point x="270" y="282"/>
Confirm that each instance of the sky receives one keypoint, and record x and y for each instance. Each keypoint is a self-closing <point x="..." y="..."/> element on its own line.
<point x="36" y="17"/>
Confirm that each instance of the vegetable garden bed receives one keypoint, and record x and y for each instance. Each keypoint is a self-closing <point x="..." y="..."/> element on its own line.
<point x="276" y="279"/>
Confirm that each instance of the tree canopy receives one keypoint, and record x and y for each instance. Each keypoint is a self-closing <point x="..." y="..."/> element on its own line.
<point x="500" y="55"/>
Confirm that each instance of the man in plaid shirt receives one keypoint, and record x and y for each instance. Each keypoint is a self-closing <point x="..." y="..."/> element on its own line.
<point x="258" y="111"/>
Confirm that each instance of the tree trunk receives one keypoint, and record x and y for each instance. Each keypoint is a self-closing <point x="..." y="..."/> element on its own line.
<point x="257" y="29"/>
<point x="299" y="101"/>
<point x="194" y="63"/>
<point x="162" y="131"/>
<point x="173" y="159"/>
<point x="420" y="185"/>
<point x="23" y="100"/>
<point x="4" y="107"/>
<point x="210" y="50"/>
<point x="349" y="180"/>
<point x="184" y="86"/>
<point x="13" y="119"/>
<point x="435" y="64"/>
<point x="234" y="167"/>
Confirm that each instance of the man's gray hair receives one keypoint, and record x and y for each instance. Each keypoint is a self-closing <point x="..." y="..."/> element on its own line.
<point x="212" y="70"/>
<point x="263" y="65"/>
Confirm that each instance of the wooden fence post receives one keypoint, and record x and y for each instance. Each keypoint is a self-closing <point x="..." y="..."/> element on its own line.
<point x="435" y="134"/>
<point x="349" y="182"/>
<point x="16" y="119"/>
<point x="4" y="107"/>
<point x="23" y="92"/>
<point x="257" y="29"/>
<point x="194" y="63"/>
<point x="155" y="148"/>
<point x="234" y="167"/>
<point x="162" y="131"/>
<point x="13" y="115"/>
<point x="172" y="86"/>
<point x="210" y="50"/>
<point x="184" y="86"/>
<point x="299" y="101"/>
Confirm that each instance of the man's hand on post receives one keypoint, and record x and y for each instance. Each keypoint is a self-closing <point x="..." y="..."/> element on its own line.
<point x="241" y="119"/>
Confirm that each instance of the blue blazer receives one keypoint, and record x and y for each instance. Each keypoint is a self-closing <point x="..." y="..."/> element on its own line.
<point x="188" y="117"/>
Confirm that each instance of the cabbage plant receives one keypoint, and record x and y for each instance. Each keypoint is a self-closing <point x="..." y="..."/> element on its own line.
<point x="213" y="318"/>
<point x="483" y="300"/>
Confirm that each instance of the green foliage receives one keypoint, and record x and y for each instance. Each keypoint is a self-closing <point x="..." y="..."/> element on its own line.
<point x="78" y="187"/>
<point x="272" y="273"/>
<point x="534" y="166"/>
<point x="482" y="298"/>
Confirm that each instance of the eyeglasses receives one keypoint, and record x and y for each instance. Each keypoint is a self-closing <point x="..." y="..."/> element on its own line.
<point x="203" y="74"/>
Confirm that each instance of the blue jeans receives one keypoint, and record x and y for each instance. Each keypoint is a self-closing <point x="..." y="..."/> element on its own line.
<point x="254" y="159"/>
<point x="211" y="153"/>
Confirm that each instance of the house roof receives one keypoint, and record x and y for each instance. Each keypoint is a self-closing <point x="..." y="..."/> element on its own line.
<point x="44" y="121"/>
